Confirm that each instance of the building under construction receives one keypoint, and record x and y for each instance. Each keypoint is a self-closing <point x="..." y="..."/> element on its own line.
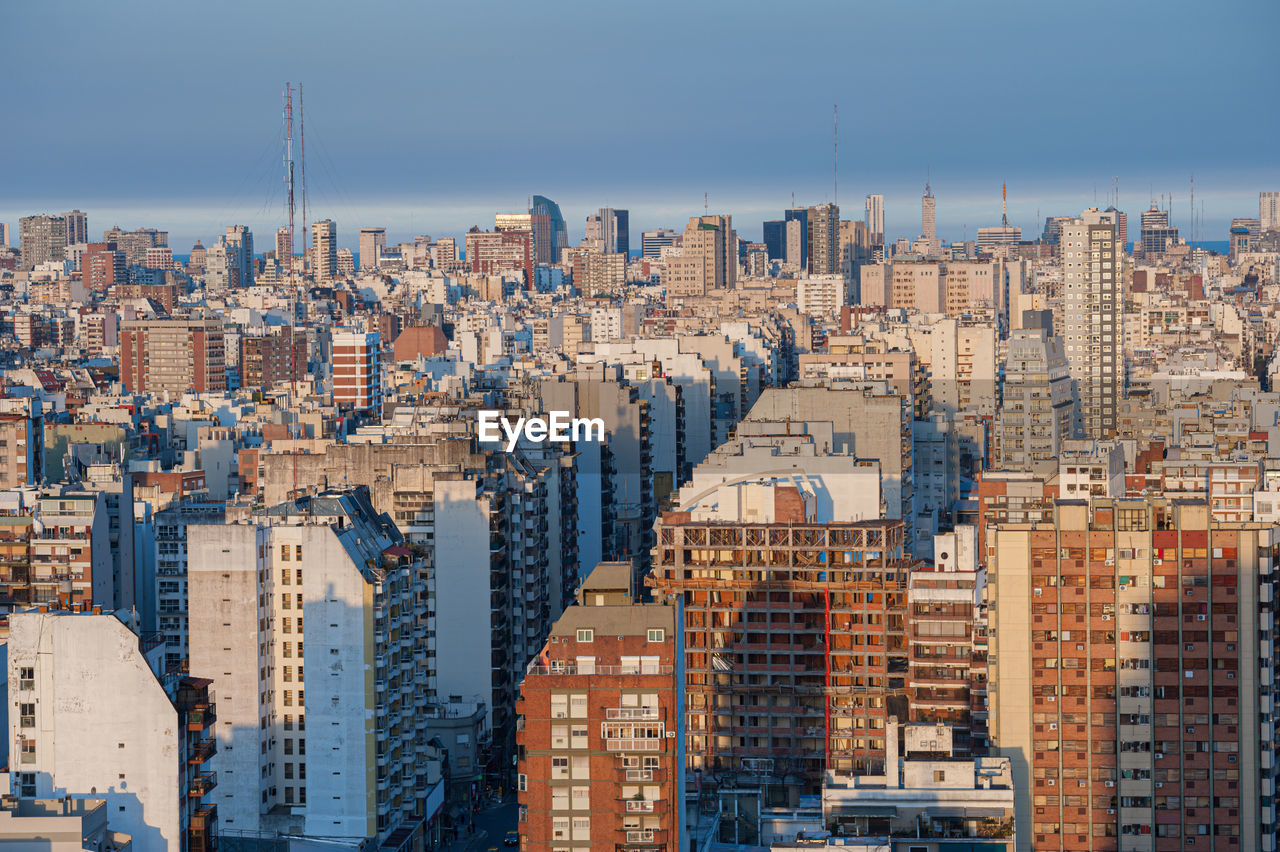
<point x="795" y="640"/>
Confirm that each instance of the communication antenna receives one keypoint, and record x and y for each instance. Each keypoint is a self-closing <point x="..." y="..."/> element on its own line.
<point x="288" y="170"/>
<point x="1193" y="211"/>
<point x="706" y="204"/>
<point x="302" y="157"/>
<point x="835" y="152"/>
<point x="1004" y="205"/>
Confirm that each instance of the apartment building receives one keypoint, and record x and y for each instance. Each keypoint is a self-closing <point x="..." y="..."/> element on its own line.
<point x="272" y="358"/>
<point x="601" y="752"/>
<point x="323" y="584"/>
<point x="708" y="258"/>
<point x="93" y="717"/>
<point x="795" y="645"/>
<point x="1092" y="302"/>
<point x="1038" y="412"/>
<point x="173" y="355"/>
<point x="21" y="441"/>
<point x="357" y="370"/>
<point x="1131" y="675"/>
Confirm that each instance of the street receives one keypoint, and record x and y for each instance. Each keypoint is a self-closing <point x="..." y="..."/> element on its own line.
<point x="492" y="825"/>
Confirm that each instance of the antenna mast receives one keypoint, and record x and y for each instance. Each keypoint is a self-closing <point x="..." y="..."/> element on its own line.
<point x="1004" y="205"/>
<point x="302" y="156"/>
<point x="835" y="152"/>
<point x="1193" y="211"/>
<point x="288" y="171"/>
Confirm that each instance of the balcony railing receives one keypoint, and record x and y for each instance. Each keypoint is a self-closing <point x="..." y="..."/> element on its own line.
<point x="623" y="713"/>
<point x="202" y="784"/>
<point x="202" y="751"/>
<point x="639" y="806"/>
<point x="633" y="744"/>
<point x="572" y="669"/>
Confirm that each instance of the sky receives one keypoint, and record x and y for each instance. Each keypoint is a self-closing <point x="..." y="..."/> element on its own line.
<point x="429" y="117"/>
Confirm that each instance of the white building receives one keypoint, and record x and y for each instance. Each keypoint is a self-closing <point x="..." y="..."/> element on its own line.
<point x="1092" y="301"/>
<point x="91" y="718"/>
<point x="822" y="296"/>
<point x="322" y="584"/>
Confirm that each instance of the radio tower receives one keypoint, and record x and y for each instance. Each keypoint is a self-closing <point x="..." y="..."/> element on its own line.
<point x="1004" y="205"/>
<point x="302" y="158"/>
<point x="288" y="172"/>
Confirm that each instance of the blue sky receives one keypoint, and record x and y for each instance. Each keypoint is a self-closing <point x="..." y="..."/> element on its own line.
<point x="427" y="117"/>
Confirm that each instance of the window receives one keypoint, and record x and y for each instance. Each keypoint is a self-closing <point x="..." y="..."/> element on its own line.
<point x="26" y="678"/>
<point x="939" y="776"/>
<point x="28" y="714"/>
<point x="297" y="552"/>
<point x="657" y="635"/>
<point x="284" y="557"/>
<point x="586" y="634"/>
<point x="578" y="706"/>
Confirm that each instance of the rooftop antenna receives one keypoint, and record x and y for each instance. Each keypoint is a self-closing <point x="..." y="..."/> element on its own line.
<point x="1193" y="211"/>
<point x="1004" y="205"/>
<point x="706" y="204"/>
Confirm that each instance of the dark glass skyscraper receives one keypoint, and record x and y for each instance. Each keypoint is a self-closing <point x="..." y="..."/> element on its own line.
<point x="775" y="239"/>
<point x="557" y="235"/>
<point x="801" y="215"/>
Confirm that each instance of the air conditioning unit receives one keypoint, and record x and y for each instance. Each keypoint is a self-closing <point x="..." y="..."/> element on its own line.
<point x="1053" y="698"/>
<point x="1159" y="755"/>
<point x="1038" y="592"/>
<point x="1159" y="784"/>
<point x="1051" y="783"/>
<point x="1106" y="617"/>
<point x="671" y="735"/>
<point x="1053" y="726"/>
<point x="1123" y="587"/>
<point x="1109" y="784"/>
<point x="1111" y="811"/>
<point x="1201" y="617"/>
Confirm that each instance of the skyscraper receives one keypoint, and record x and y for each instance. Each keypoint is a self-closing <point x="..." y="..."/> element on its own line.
<point x="775" y="239"/>
<point x="1090" y="251"/>
<point x="799" y="215"/>
<point x="324" y="249"/>
<point x="615" y="230"/>
<point x="77" y="227"/>
<point x="928" y="213"/>
<point x="174" y="355"/>
<point x="708" y="258"/>
<point x="284" y="251"/>
<point x="1156" y="234"/>
<point x="372" y="243"/>
<point x="875" y="219"/>
<point x="823" y="245"/>
<point x="42" y="239"/>
<point x="557" y="235"/>
<point x="240" y="255"/>
<point x="1269" y="210"/>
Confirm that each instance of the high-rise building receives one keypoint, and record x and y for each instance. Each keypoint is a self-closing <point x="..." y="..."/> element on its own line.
<point x="173" y="355"/>
<point x="346" y="263"/>
<point x="135" y="243"/>
<point x="999" y="240"/>
<point x="875" y="219"/>
<point x="797" y="257"/>
<point x="494" y="252"/>
<point x="357" y="370"/>
<point x="77" y="227"/>
<point x="1038" y="413"/>
<point x="1269" y="210"/>
<point x="92" y="715"/>
<point x="653" y="242"/>
<point x="102" y="266"/>
<point x="602" y="761"/>
<point x="268" y="359"/>
<point x="548" y="245"/>
<point x="42" y="239"/>
<point x="823" y="239"/>
<point x="324" y="250"/>
<point x="708" y="258"/>
<point x="284" y="251"/>
<point x="928" y="214"/>
<point x="240" y="258"/>
<point x="22" y="434"/>
<point x="373" y="241"/>
<point x="615" y="231"/>
<point x="312" y="617"/>
<point x="1092" y="301"/>
<point x="1122" y="227"/>
<point x="5" y="239"/>
<point x="1130" y="675"/>
<point x="775" y="239"/>
<point x="1156" y="234"/>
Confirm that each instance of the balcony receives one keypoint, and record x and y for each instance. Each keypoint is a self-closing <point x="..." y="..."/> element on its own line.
<point x="202" y="784"/>
<point x="626" y="713"/>
<point x="202" y="751"/>
<point x="646" y="835"/>
<point x="201" y="717"/>
<point x="639" y="806"/>
<point x="202" y="834"/>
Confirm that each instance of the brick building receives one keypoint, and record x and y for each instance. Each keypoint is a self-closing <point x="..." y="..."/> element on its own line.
<point x="601" y="760"/>
<point x="174" y="355"/>
<point x="1131" y="666"/>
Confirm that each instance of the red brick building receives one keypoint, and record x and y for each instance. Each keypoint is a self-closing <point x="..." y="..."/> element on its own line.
<point x="273" y="358"/>
<point x="102" y="266"/>
<point x="600" y="757"/>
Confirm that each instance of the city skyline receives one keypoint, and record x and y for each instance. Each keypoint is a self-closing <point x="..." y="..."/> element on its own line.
<point x="436" y="174"/>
